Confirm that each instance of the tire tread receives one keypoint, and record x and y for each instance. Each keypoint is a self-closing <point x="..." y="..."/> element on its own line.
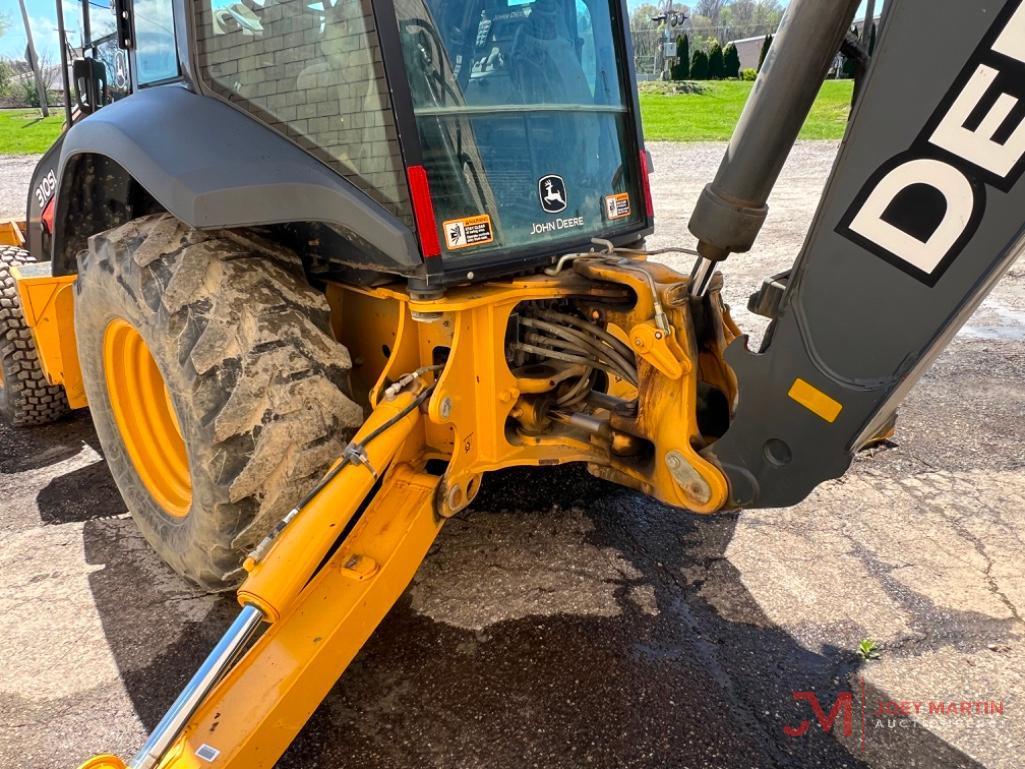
<point x="29" y="399"/>
<point x="263" y="381"/>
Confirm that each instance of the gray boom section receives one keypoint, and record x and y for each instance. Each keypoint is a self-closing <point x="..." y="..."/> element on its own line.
<point x="213" y="166"/>
<point x="922" y="214"/>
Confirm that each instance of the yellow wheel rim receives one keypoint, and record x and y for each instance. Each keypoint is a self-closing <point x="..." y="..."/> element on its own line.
<point x="145" y="417"/>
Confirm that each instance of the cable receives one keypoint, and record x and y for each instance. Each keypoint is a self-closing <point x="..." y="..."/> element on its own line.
<point x="539" y="340"/>
<point x="414" y="404"/>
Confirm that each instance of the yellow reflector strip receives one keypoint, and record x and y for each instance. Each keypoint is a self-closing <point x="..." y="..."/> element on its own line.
<point x="816" y="401"/>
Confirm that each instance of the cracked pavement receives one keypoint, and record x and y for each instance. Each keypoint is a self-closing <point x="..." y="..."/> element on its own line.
<point x="565" y="622"/>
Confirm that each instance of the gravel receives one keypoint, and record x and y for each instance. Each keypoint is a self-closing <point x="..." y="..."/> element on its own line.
<point x="15" y="176"/>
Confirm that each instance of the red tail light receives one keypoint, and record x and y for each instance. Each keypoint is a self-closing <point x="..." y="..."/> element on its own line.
<point x="649" y="206"/>
<point x="46" y="217"/>
<point x="423" y="211"/>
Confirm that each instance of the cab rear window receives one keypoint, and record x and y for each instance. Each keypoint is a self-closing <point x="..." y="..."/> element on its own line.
<point x="522" y="118"/>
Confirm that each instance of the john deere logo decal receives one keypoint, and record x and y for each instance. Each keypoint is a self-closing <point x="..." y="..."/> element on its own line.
<point x="551" y="190"/>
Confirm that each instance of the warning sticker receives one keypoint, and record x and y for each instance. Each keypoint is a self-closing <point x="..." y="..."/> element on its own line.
<point x="617" y="206"/>
<point x="471" y="231"/>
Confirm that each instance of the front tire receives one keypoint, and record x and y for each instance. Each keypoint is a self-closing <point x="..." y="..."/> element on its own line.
<point x="26" y="397"/>
<point x="217" y="391"/>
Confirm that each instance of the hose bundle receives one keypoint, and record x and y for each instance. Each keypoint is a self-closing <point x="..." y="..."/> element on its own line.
<point x="567" y="338"/>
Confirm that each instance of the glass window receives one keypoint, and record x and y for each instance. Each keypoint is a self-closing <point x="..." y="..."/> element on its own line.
<point x="312" y="70"/>
<point x="103" y="45"/>
<point x="115" y="60"/>
<point x="522" y="118"/>
<point x="156" y="54"/>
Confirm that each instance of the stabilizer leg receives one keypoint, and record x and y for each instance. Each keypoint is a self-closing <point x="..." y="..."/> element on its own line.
<point x="258" y="708"/>
<point x="322" y="599"/>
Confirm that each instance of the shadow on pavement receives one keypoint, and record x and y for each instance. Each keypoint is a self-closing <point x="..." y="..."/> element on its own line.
<point x="81" y="495"/>
<point x="683" y="688"/>
<point x="31" y="448"/>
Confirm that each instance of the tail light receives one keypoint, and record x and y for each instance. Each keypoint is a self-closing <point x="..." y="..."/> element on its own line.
<point x="423" y="211"/>
<point x="46" y="217"/>
<point x="649" y="206"/>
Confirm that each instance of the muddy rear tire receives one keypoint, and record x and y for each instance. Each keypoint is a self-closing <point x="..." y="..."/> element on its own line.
<point x="256" y="383"/>
<point x="26" y="397"/>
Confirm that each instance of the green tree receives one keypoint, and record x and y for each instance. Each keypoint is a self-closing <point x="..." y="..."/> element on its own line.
<point x="716" y="63"/>
<point x="768" y="14"/>
<point x="699" y="66"/>
<point x="751" y="18"/>
<point x="6" y="73"/>
<point x="766" y="45"/>
<point x="681" y="70"/>
<point x="731" y="57"/>
<point x="647" y="38"/>
<point x="712" y="9"/>
<point x="641" y="17"/>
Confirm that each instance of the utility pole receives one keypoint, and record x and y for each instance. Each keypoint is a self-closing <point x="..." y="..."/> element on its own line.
<point x="669" y="19"/>
<point x="870" y="20"/>
<point x="62" y="38"/>
<point x="34" y="62"/>
<point x="666" y="38"/>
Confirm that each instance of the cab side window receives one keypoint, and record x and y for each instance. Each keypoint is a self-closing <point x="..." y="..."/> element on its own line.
<point x="102" y="46"/>
<point x="156" y="53"/>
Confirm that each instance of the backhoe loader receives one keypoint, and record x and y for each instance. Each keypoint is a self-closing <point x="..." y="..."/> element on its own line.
<point x="318" y="266"/>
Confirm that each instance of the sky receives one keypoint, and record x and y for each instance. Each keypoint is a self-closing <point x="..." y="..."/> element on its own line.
<point x="43" y="18"/>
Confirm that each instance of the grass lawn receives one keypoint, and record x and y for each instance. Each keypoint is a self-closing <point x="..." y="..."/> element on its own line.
<point x="708" y="113"/>
<point x="712" y="110"/>
<point x="23" y="132"/>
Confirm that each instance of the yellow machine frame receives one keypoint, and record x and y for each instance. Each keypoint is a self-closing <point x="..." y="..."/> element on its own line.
<point x="12" y="233"/>
<point x="48" y="305"/>
<point x="445" y="408"/>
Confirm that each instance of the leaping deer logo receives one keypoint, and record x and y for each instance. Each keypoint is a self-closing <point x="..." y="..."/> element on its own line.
<point x="552" y="192"/>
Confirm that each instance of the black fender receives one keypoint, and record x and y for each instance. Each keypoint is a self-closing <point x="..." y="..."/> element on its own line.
<point x="213" y="167"/>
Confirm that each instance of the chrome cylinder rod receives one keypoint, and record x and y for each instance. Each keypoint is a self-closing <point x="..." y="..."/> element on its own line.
<point x="214" y="666"/>
<point x="701" y="276"/>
